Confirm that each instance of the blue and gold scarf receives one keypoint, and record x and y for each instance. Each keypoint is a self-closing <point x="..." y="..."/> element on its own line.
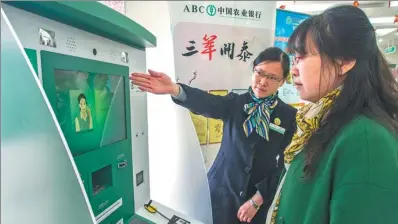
<point x="259" y="113"/>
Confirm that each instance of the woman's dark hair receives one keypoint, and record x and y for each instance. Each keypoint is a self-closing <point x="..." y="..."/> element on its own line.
<point x="81" y="96"/>
<point x="276" y="55"/>
<point x="344" y="33"/>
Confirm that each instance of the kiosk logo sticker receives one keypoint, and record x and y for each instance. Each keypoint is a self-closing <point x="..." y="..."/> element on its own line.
<point x="47" y="38"/>
<point x="211" y="10"/>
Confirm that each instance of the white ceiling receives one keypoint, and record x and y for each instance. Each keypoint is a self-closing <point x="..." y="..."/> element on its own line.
<point x="380" y="13"/>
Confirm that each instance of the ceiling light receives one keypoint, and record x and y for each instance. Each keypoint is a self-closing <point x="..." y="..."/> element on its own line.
<point x="378" y="20"/>
<point x="393" y="3"/>
<point x="382" y="32"/>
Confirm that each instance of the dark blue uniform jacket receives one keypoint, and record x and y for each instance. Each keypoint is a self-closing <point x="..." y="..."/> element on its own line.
<point x="244" y="165"/>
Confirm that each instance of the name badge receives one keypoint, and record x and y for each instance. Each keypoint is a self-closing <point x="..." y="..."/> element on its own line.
<point x="277" y="128"/>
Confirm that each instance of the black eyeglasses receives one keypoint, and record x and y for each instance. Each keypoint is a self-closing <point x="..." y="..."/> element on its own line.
<point x="270" y="77"/>
<point x="296" y="59"/>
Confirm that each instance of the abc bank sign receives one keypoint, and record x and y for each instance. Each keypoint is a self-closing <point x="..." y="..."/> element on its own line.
<point x="223" y="11"/>
<point x="211" y="10"/>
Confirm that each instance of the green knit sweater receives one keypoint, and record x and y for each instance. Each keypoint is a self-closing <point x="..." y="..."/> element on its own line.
<point x="356" y="181"/>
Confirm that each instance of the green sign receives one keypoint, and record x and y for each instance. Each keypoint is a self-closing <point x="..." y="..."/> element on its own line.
<point x="390" y="50"/>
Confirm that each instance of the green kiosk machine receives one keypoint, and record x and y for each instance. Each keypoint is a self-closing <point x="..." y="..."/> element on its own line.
<point x="83" y="53"/>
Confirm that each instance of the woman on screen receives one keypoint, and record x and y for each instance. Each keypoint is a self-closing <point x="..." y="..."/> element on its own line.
<point x="257" y="128"/>
<point x="84" y="120"/>
<point x="342" y="164"/>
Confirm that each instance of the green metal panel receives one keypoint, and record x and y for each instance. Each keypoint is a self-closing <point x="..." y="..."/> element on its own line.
<point x="32" y="55"/>
<point x="101" y="148"/>
<point x="93" y="17"/>
<point x="119" y="185"/>
<point x="38" y="182"/>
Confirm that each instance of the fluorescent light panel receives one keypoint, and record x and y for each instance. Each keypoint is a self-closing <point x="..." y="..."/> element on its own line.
<point x="379" y="20"/>
<point x="394" y="4"/>
<point x="382" y="32"/>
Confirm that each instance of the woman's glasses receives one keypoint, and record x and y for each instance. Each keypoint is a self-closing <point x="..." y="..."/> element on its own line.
<point x="262" y="74"/>
<point x="297" y="58"/>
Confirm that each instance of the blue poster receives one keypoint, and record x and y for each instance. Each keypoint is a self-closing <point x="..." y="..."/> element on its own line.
<point x="286" y="22"/>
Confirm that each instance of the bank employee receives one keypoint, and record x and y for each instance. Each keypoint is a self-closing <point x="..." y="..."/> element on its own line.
<point x="257" y="128"/>
<point x="342" y="164"/>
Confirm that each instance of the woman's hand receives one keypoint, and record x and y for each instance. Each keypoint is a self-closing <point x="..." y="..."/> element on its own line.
<point x="155" y="82"/>
<point x="247" y="211"/>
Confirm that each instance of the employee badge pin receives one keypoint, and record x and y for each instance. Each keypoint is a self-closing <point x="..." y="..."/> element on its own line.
<point x="277" y="121"/>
